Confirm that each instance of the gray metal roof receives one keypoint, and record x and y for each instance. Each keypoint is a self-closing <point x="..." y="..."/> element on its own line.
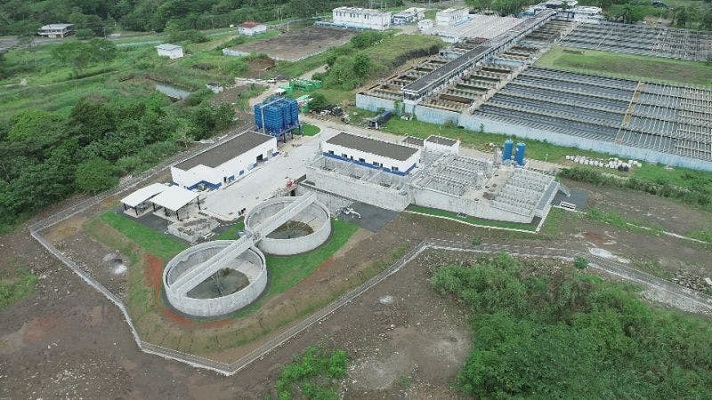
<point x="234" y="147"/>
<point x="373" y="146"/>
<point x="449" y="69"/>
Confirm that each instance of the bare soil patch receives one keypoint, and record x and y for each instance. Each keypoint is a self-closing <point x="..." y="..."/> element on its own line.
<point x="403" y="339"/>
<point x="295" y="45"/>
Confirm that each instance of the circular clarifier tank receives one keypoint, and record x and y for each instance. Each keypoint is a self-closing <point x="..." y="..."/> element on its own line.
<point x="235" y="285"/>
<point x="305" y="231"/>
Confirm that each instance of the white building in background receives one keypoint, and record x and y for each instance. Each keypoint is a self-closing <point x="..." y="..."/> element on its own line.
<point x="361" y="18"/>
<point x="452" y="16"/>
<point x="589" y="15"/>
<point x="372" y="153"/>
<point x="222" y="165"/>
<point x="56" y="30"/>
<point x="251" y="28"/>
<point x="408" y="16"/>
<point x="171" y="51"/>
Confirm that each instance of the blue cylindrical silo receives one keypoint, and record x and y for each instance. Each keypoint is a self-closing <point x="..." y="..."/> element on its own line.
<point x="508" y="149"/>
<point x="521" y="148"/>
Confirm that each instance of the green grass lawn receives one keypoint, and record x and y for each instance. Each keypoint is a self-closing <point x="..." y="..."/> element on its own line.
<point x="310" y="130"/>
<point x="472" y="220"/>
<point x="628" y="66"/>
<point x="156" y="243"/>
<point x="231" y="233"/>
<point x="15" y="289"/>
<point x="285" y="272"/>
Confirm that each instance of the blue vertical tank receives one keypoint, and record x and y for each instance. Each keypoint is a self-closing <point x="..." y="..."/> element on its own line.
<point x="521" y="148"/>
<point x="508" y="150"/>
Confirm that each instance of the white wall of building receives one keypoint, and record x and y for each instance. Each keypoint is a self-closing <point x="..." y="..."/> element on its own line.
<point x="451" y="16"/>
<point x="372" y="160"/>
<point x="363" y="18"/>
<point x="227" y="172"/>
<point x="170" y="50"/>
<point x="252" y="30"/>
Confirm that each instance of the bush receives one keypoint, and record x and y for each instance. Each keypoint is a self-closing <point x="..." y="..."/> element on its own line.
<point x="313" y="374"/>
<point x="580" y="263"/>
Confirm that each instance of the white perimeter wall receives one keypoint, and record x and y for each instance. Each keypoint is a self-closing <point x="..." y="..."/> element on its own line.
<point x="216" y="176"/>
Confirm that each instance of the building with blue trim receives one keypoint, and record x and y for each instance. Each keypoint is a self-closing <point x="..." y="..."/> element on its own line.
<point x="226" y="163"/>
<point x="372" y="153"/>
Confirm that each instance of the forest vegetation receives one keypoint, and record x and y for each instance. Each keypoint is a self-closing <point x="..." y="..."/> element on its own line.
<point x="544" y="331"/>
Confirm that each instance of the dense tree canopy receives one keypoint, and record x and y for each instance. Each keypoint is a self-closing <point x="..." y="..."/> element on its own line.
<point x="45" y="156"/>
<point x="553" y="333"/>
<point x="101" y="17"/>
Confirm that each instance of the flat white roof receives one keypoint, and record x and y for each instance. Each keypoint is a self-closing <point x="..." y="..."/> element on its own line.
<point x="143" y="194"/>
<point x="174" y="198"/>
<point x="56" y="26"/>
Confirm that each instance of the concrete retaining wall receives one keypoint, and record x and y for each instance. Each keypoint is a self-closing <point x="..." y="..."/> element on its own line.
<point x="435" y="115"/>
<point x="220" y="305"/>
<point x="372" y="103"/>
<point x="473" y="123"/>
<point x="479" y="209"/>
<point x="358" y="190"/>
<point x="316" y="216"/>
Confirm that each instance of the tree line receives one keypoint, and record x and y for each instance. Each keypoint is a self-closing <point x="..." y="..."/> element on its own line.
<point x="46" y="157"/>
<point x="101" y="17"/>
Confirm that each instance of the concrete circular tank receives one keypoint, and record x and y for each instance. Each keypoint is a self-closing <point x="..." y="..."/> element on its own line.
<point x="236" y="285"/>
<point x="304" y="232"/>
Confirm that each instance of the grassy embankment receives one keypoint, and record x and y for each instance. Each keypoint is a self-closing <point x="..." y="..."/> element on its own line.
<point x="140" y="243"/>
<point x="649" y="69"/>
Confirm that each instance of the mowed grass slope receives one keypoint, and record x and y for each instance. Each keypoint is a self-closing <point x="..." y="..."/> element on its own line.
<point x="628" y="66"/>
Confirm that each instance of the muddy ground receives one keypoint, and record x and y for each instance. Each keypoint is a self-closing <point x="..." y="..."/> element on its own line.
<point x="295" y="45"/>
<point x="67" y="341"/>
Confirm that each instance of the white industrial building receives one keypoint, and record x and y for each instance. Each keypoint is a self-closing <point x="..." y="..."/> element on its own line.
<point x="452" y="16"/>
<point x="408" y="16"/>
<point x="588" y="15"/>
<point x="251" y="28"/>
<point x="372" y="153"/>
<point x="361" y="18"/>
<point x="57" y="31"/>
<point x="439" y="144"/>
<point x="172" y="51"/>
<point x="224" y="164"/>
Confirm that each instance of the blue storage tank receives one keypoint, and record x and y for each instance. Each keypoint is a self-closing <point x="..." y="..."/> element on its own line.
<point x="508" y="150"/>
<point x="258" y="115"/>
<point x="521" y="148"/>
<point x="276" y="116"/>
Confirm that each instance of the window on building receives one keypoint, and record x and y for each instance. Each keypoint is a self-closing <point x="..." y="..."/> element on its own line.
<point x="331" y="151"/>
<point x="363" y="160"/>
<point x="394" y="168"/>
<point x="344" y="155"/>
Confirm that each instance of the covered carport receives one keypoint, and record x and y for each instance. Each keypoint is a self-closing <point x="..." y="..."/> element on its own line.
<point x="173" y="199"/>
<point x="138" y="200"/>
